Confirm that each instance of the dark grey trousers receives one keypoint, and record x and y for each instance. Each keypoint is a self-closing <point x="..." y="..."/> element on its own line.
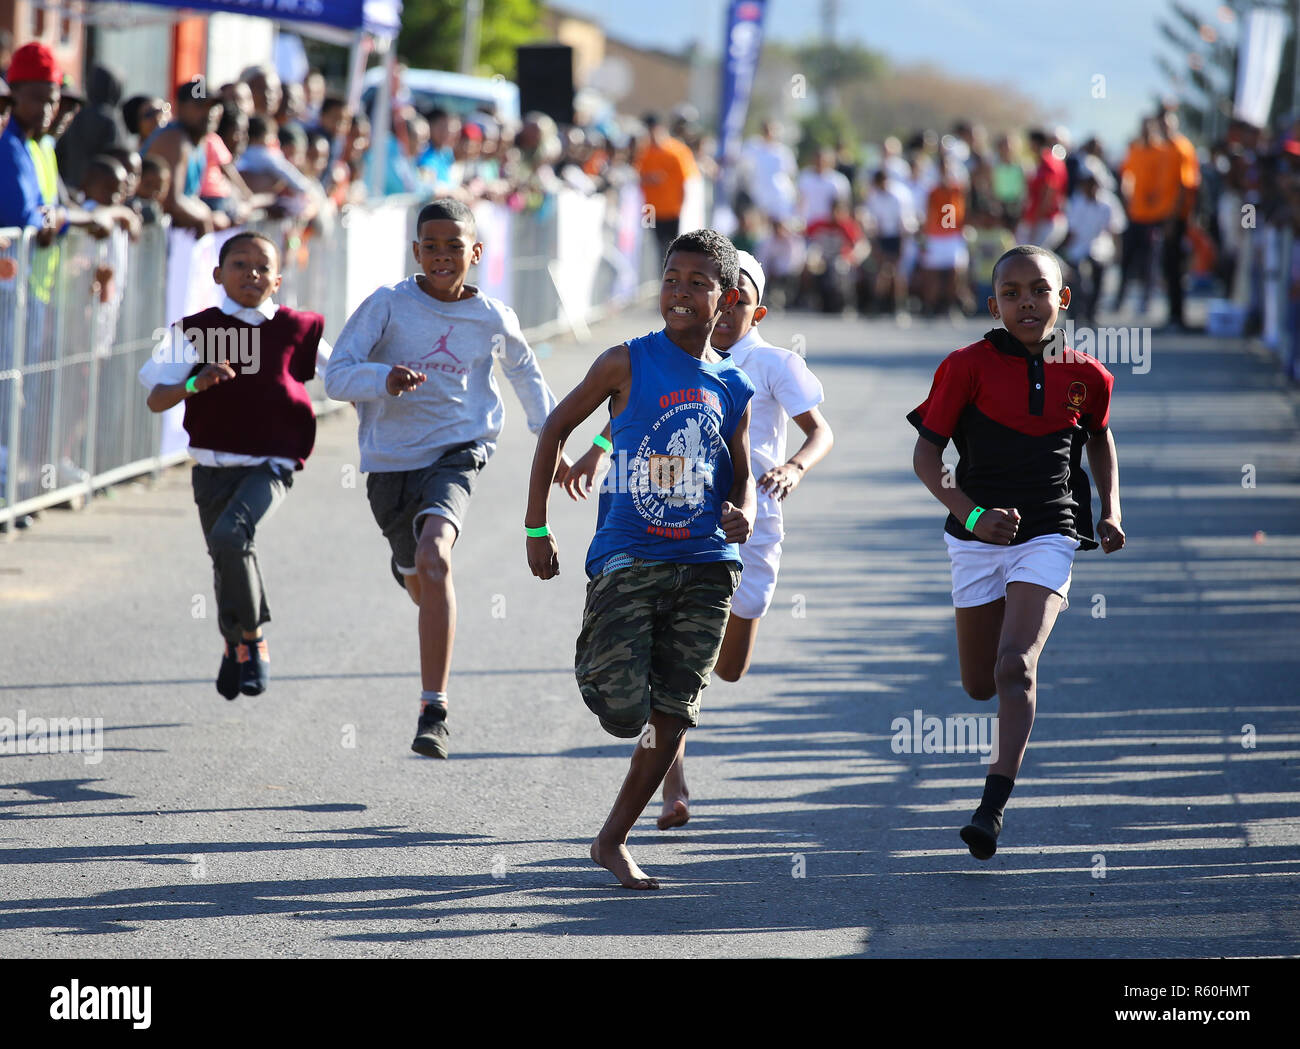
<point x="232" y="502"/>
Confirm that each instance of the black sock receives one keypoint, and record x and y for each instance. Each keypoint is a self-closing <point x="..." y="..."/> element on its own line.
<point x="996" y="791"/>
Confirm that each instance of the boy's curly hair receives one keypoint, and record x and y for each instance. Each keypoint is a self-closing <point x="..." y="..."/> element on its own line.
<point x="717" y="247"/>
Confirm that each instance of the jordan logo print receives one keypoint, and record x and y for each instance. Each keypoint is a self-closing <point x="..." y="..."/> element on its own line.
<point x="441" y="347"/>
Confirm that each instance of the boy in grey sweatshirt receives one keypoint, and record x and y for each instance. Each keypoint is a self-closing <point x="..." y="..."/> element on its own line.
<point x="416" y="360"/>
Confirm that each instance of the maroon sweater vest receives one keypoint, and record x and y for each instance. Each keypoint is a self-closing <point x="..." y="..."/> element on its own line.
<point x="265" y="409"/>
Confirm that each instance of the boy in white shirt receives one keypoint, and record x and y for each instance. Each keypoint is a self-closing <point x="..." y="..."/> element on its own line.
<point x="1094" y="216"/>
<point x="784" y="389"/>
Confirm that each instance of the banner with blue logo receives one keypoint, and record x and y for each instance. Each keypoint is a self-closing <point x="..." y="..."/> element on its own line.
<point x="741" y="47"/>
<point x="381" y="17"/>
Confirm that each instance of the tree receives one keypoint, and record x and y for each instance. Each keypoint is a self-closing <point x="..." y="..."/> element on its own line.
<point x="1203" y="70"/>
<point x="432" y="31"/>
<point x="873" y="98"/>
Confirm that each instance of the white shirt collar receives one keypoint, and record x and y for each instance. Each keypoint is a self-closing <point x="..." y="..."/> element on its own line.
<point x="747" y="342"/>
<point x="250" y="314"/>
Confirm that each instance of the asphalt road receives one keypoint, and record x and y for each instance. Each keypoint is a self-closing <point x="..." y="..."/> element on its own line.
<point x="1156" y="815"/>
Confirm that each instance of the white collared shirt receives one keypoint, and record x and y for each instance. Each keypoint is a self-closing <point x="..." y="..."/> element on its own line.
<point x="784" y="387"/>
<point x="175" y="356"/>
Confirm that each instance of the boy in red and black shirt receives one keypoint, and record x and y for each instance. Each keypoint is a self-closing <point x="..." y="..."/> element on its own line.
<point x="1020" y="409"/>
<point x="240" y="369"/>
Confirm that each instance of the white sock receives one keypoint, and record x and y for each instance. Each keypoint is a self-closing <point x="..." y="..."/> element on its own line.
<point x="433" y="699"/>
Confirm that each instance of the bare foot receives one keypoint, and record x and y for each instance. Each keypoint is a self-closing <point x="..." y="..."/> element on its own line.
<point x="618" y="861"/>
<point x="675" y="813"/>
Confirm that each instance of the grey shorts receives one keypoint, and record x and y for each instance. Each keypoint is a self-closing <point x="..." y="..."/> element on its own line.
<point x="400" y="500"/>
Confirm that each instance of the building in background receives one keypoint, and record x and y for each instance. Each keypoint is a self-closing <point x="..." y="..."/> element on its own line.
<point x="62" y="33"/>
<point x="153" y="47"/>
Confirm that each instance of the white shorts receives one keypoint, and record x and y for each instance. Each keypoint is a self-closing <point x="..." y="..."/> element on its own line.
<point x="981" y="571"/>
<point x="947" y="252"/>
<point x="761" y="557"/>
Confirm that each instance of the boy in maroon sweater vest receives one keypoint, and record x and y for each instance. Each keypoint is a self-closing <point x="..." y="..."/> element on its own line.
<point x="240" y="370"/>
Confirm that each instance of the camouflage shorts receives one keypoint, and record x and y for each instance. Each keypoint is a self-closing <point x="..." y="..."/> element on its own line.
<point x="650" y="637"/>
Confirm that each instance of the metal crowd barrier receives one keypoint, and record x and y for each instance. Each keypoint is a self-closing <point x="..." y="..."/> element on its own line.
<point x="75" y="331"/>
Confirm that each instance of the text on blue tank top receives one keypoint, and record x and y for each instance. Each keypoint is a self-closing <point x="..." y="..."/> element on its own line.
<point x="671" y="466"/>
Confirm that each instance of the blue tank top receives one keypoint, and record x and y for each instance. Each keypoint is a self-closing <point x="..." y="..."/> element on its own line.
<point x="193" y="169"/>
<point x="671" y="464"/>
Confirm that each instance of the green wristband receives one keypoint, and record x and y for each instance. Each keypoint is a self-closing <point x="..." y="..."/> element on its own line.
<point x="601" y="442"/>
<point x="537" y="533"/>
<point x="974" y="516"/>
<point x="189" y="385"/>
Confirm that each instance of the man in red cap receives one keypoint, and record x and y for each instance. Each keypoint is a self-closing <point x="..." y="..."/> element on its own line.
<point x="29" y="175"/>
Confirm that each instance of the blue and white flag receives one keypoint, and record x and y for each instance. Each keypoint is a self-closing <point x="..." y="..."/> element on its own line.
<point x="743" y="44"/>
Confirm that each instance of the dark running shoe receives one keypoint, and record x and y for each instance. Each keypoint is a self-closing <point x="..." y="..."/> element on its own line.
<point x="981" y="834"/>
<point x="431" y="735"/>
<point x="254" y="667"/>
<point x="228" y="675"/>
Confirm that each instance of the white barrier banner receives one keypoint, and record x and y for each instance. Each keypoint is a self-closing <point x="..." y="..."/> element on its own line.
<point x="378" y="251"/>
<point x="692" y="216"/>
<point x="627" y="242"/>
<point x="580" y="221"/>
<point x="492" y="276"/>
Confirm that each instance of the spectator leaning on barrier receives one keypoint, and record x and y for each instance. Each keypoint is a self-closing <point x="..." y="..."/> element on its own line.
<point x="223" y="188"/>
<point x="130" y="161"/>
<point x="334" y="121"/>
<point x="155" y="177"/>
<point x="105" y="188"/>
<point x="29" y="174"/>
<point x="180" y="146"/>
<point x="266" y="169"/>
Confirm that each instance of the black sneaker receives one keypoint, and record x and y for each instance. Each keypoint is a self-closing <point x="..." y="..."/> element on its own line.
<point x="254" y="666"/>
<point x="981" y="834"/>
<point x="228" y="675"/>
<point x="431" y="735"/>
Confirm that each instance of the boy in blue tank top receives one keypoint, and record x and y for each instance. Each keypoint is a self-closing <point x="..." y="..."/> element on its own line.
<point x="663" y="564"/>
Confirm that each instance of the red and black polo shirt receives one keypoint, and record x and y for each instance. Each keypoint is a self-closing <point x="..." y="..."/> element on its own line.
<point x="1019" y="423"/>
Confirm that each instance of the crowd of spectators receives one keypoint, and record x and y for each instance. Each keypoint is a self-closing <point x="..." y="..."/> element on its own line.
<point x="906" y="226"/>
<point x="914" y="227"/>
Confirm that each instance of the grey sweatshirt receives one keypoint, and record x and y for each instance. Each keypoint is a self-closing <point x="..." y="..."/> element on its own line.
<point x="454" y="344"/>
